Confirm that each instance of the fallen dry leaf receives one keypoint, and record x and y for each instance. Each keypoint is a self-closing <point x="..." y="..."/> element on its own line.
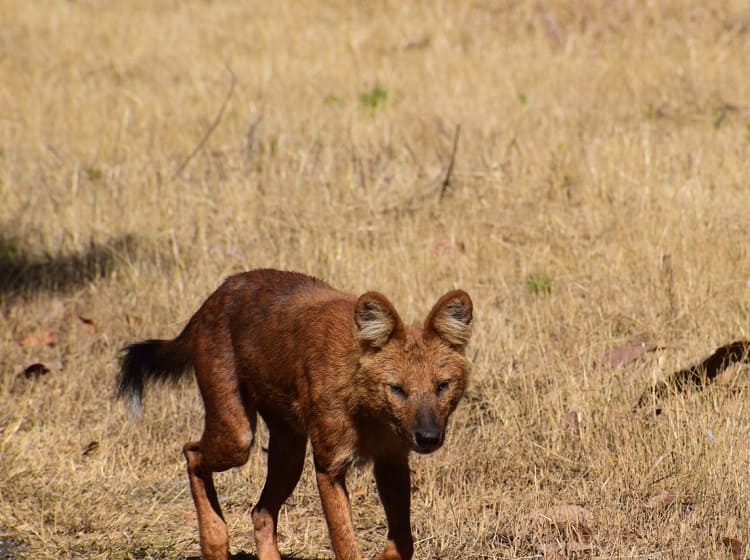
<point x="573" y="421"/>
<point x="736" y="548"/>
<point x="565" y="513"/>
<point x="578" y="547"/>
<point x="40" y="338"/>
<point x="34" y="370"/>
<point x="505" y="536"/>
<point x="85" y="324"/>
<point x="446" y="246"/>
<point x="551" y="551"/>
<point x="560" y="550"/>
<point x="570" y="520"/>
<point x="621" y="356"/>
<point x="90" y="448"/>
<point x="662" y="500"/>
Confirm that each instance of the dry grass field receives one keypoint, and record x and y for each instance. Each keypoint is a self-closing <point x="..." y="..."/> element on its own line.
<point x="598" y="197"/>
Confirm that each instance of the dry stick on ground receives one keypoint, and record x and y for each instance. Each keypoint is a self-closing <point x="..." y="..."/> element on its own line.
<point x="668" y="270"/>
<point x="250" y="137"/>
<point x="447" y="179"/>
<point x="700" y="373"/>
<point x="210" y="130"/>
<point x="417" y="199"/>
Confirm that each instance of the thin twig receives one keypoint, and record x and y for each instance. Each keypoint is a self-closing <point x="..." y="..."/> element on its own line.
<point x="447" y="179"/>
<point x="359" y="166"/>
<point x="210" y="130"/>
<point x="414" y="158"/>
<point x="250" y="137"/>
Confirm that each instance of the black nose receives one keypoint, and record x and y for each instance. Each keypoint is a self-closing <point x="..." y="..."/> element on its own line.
<point x="428" y="439"/>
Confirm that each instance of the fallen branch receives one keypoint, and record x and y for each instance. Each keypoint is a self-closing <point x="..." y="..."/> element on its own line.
<point x="250" y="137"/>
<point x="449" y="170"/>
<point x="211" y="128"/>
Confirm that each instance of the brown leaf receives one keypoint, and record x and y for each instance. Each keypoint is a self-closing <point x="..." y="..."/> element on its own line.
<point x="736" y="548"/>
<point x="85" y="324"/>
<point x="442" y="247"/>
<point x="565" y="513"/>
<point x="447" y="246"/>
<point x="580" y="546"/>
<point x="573" y="422"/>
<point x="569" y="520"/>
<point x="550" y="551"/>
<point x="662" y="500"/>
<point x="35" y="370"/>
<point x="504" y="537"/>
<point x="560" y="550"/>
<point x="621" y="356"/>
<point x="582" y="536"/>
<point x="40" y="338"/>
<point x="419" y="44"/>
<point x="90" y="448"/>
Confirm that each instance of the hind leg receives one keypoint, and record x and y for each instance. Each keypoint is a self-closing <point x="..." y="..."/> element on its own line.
<point x="214" y="537"/>
<point x="226" y="441"/>
<point x="286" y="457"/>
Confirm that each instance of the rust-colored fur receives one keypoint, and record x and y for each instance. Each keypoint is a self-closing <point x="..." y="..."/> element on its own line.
<point x="316" y="364"/>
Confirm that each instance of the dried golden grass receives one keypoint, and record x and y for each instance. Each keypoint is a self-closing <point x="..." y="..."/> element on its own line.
<point x="599" y="196"/>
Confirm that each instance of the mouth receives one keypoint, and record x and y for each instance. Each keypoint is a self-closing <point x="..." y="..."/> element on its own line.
<point x="426" y="450"/>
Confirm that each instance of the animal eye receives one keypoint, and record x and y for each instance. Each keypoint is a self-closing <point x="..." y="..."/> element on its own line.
<point x="442" y="386"/>
<point x="397" y="390"/>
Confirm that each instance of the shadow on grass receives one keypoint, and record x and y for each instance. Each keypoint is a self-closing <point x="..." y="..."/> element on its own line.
<point x="9" y="547"/>
<point x="242" y="555"/>
<point x="23" y="274"/>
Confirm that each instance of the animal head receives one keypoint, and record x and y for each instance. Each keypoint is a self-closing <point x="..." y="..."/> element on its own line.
<point x="414" y="376"/>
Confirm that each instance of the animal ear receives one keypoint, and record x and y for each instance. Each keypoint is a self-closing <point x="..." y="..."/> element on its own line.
<point x="376" y="320"/>
<point x="450" y="319"/>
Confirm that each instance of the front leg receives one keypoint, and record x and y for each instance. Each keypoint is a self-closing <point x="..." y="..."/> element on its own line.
<point x="394" y="487"/>
<point x="337" y="509"/>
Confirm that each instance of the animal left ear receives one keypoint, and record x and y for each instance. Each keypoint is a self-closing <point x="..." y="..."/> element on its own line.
<point x="450" y="319"/>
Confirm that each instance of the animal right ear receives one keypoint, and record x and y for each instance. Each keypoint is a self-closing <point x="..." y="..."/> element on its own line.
<point x="451" y="318"/>
<point x="376" y="320"/>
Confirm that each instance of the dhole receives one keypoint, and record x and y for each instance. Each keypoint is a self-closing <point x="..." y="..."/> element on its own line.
<point x="317" y="364"/>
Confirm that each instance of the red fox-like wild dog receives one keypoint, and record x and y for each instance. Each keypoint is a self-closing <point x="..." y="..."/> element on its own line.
<point x="318" y="364"/>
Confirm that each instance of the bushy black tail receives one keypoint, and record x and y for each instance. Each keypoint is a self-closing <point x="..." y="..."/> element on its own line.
<point x="151" y="360"/>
